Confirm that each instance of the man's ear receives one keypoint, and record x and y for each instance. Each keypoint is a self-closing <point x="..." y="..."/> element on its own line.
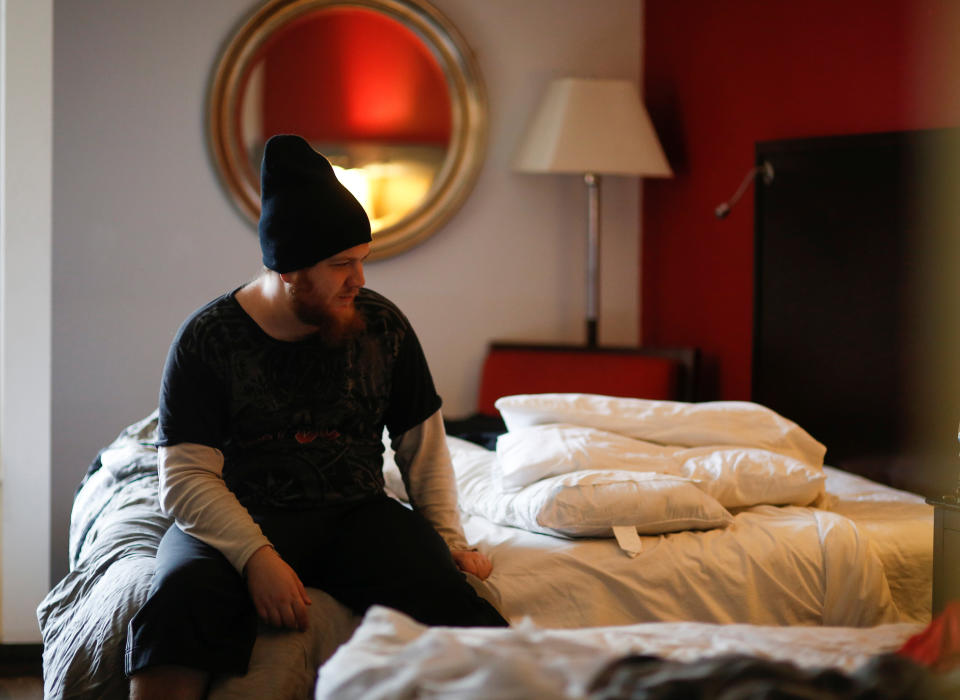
<point x="288" y="277"/>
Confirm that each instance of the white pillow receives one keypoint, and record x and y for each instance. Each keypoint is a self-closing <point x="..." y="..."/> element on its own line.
<point x="735" y="476"/>
<point x="744" y="476"/>
<point x="591" y="503"/>
<point x="526" y="455"/>
<point x="585" y="504"/>
<point x="738" y="423"/>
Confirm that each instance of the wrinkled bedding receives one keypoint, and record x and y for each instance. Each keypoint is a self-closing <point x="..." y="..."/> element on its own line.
<point x="115" y="529"/>
<point x="899" y="526"/>
<point x="588" y="465"/>
<point x="804" y="544"/>
<point x="771" y="566"/>
<point x="392" y="656"/>
<point x="735" y="476"/>
<point x="863" y="558"/>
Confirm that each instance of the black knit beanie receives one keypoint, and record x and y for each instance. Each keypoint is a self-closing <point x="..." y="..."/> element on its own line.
<point x="306" y="215"/>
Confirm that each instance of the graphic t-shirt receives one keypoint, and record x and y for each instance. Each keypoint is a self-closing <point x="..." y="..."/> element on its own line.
<point x="299" y="423"/>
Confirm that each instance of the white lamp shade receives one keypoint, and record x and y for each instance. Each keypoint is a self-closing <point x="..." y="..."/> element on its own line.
<point x="592" y="126"/>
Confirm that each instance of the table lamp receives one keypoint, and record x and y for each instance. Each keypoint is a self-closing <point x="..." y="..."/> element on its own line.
<point x="592" y="127"/>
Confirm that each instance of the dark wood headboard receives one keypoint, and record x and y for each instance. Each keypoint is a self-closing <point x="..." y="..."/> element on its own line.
<point x="844" y="305"/>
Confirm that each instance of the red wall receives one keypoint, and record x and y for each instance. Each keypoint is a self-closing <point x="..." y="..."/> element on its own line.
<point x="722" y="75"/>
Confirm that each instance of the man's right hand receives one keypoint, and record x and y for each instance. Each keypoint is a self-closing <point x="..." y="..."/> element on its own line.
<point x="276" y="590"/>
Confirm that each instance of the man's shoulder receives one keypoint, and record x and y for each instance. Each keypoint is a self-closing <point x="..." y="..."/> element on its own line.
<point x="215" y="313"/>
<point x="377" y="306"/>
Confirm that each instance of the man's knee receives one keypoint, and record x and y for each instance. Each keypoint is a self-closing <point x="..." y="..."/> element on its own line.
<point x="198" y="614"/>
<point x="187" y="566"/>
<point x="199" y="576"/>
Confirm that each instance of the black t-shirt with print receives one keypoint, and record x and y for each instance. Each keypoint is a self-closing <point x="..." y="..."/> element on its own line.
<point x="300" y="423"/>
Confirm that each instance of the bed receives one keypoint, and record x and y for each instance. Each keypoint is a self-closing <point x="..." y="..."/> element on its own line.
<point x="835" y="564"/>
<point x="392" y="656"/>
<point x="861" y="557"/>
<point x="836" y="592"/>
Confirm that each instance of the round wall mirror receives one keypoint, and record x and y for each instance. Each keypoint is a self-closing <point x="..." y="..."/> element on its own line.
<point x="386" y="89"/>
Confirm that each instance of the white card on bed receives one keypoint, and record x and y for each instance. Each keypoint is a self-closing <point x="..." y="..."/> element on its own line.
<point x="628" y="539"/>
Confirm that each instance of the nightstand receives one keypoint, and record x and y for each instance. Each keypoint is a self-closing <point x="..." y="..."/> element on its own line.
<point x="946" y="550"/>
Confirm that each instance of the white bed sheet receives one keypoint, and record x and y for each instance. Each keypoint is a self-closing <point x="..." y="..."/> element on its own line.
<point x="900" y="527"/>
<point x="392" y="656"/>
<point x="772" y="566"/>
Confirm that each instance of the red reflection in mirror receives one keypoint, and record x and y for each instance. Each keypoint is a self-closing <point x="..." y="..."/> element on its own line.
<point x="345" y="75"/>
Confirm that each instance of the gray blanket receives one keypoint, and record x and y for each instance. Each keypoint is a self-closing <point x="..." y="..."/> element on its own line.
<point x="115" y="528"/>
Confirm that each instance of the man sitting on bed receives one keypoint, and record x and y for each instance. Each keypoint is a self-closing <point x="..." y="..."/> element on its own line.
<point x="272" y="408"/>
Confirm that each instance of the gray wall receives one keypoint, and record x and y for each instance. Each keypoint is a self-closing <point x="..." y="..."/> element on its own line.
<point x="143" y="234"/>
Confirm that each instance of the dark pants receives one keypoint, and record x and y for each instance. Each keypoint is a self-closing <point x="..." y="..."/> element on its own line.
<point x="199" y="613"/>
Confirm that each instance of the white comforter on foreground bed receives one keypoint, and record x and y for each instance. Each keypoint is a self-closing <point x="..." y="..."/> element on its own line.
<point x="391" y="656"/>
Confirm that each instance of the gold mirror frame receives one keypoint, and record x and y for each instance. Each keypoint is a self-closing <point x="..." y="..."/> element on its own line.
<point x="467" y="99"/>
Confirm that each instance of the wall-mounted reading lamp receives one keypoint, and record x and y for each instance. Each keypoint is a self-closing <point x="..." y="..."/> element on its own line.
<point x="765" y="169"/>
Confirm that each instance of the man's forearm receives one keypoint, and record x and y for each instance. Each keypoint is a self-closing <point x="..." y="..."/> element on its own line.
<point x="424" y="462"/>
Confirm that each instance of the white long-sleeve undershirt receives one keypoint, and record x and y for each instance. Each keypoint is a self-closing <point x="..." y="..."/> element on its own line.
<point x="424" y="461"/>
<point x="193" y="491"/>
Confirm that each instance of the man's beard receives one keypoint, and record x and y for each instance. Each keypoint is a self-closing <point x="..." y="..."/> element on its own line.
<point x="334" y="328"/>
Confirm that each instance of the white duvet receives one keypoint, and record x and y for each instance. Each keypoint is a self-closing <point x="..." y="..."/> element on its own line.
<point x="771" y="566"/>
<point x="862" y="557"/>
<point x="866" y="561"/>
<point x="667" y="422"/>
<point x="391" y="656"/>
<point x="585" y="503"/>
<point x="734" y="475"/>
<point x="586" y="465"/>
<point x="762" y="564"/>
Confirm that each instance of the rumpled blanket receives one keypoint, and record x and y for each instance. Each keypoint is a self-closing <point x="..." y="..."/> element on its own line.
<point x="392" y="656"/>
<point x="115" y="528"/>
<point x="738" y="677"/>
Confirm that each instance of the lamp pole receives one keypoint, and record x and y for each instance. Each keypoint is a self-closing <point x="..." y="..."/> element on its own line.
<point x="592" y="181"/>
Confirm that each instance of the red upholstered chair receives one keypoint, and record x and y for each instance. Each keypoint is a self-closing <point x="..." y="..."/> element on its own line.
<point x="649" y="373"/>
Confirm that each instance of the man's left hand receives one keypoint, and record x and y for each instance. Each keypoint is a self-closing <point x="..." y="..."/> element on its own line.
<point x="472" y="563"/>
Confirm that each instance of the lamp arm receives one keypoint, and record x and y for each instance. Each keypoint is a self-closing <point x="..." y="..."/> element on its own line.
<point x="766" y="168"/>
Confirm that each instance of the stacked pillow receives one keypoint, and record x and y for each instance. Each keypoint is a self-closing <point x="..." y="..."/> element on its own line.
<point x="583" y="465"/>
<point x="667" y="422"/>
<point x="587" y="503"/>
<point x="736" y="476"/>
